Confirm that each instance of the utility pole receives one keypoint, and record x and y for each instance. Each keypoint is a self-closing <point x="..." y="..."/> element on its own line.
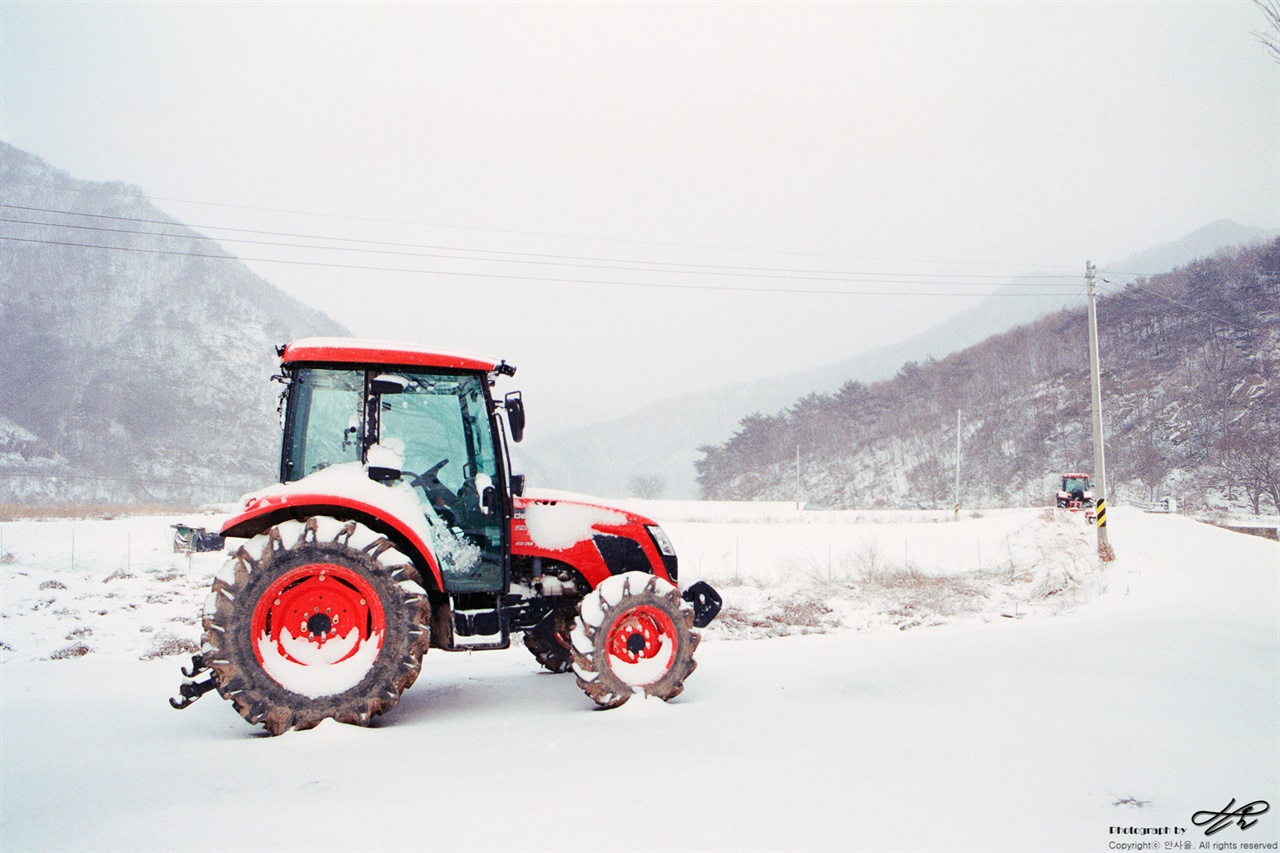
<point x="1105" y="554"/>
<point x="957" y="464"/>
<point x="798" y="501"/>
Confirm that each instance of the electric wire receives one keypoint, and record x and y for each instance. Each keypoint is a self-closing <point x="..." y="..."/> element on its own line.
<point x="481" y="229"/>
<point x="1115" y="291"/>
<point x="537" y="258"/>
<point x="509" y="276"/>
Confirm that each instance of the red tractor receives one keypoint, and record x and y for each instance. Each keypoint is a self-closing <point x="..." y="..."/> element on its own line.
<point x="397" y="526"/>
<point x="1076" y="494"/>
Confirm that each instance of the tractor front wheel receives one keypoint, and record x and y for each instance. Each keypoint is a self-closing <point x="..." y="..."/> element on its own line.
<point x="633" y="634"/>
<point x="312" y="620"/>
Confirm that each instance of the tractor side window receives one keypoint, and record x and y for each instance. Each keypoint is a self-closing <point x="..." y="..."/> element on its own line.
<point x="324" y="421"/>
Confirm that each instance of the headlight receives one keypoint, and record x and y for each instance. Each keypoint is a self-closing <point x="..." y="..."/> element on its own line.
<point x="664" y="544"/>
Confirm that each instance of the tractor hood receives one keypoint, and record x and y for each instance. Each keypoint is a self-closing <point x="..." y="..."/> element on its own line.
<point x="558" y="520"/>
<point x="589" y="534"/>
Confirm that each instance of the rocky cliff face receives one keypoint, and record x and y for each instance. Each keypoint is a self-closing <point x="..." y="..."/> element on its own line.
<point x="131" y="369"/>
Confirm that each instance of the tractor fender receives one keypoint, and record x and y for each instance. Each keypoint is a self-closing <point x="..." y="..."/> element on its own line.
<point x="595" y="539"/>
<point x="389" y="514"/>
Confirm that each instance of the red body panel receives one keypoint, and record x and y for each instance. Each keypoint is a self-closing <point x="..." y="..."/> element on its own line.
<point x="364" y="352"/>
<point x="260" y="513"/>
<point x="584" y="556"/>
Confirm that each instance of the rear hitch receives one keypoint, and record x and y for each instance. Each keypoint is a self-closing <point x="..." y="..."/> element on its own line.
<point x="706" y="603"/>
<point x="191" y="691"/>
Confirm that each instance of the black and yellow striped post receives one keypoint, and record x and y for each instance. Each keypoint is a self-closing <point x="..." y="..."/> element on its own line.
<point x="1100" y="513"/>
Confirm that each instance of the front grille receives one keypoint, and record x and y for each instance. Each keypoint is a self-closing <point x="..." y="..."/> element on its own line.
<point x="622" y="554"/>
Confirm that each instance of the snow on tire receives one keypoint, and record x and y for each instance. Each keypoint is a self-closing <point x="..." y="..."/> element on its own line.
<point x="634" y="634"/>
<point x="312" y="620"/>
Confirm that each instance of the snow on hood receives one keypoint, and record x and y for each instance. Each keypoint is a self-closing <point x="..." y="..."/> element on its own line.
<point x="556" y="524"/>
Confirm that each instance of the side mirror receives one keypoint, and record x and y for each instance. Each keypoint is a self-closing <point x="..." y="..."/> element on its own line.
<point x="384" y="462"/>
<point x="388" y="383"/>
<point x="514" y="405"/>
<point x="384" y="475"/>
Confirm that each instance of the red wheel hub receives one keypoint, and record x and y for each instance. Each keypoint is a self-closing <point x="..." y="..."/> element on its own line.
<point x="316" y="605"/>
<point x="642" y="633"/>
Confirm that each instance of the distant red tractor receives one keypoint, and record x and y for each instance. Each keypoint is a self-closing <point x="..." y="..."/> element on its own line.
<point x="1076" y="494"/>
<point x="397" y="525"/>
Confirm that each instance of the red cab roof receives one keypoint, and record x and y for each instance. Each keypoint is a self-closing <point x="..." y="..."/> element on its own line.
<point x="360" y="351"/>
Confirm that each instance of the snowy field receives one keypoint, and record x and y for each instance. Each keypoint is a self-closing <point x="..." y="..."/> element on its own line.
<point x="877" y="681"/>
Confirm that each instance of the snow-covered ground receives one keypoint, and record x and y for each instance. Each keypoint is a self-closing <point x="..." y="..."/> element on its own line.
<point x="877" y="681"/>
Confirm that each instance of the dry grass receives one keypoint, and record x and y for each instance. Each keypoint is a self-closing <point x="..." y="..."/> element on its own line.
<point x="920" y="593"/>
<point x="75" y="650"/>
<point x="167" y="645"/>
<point x="1052" y="569"/>
<point x="43" y="512"/>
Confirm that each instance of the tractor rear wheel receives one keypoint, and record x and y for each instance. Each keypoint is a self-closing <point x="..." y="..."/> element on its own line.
<point x="549" y="641"/>
<point x="312" y="620"/>
<point x="633" y="634"/>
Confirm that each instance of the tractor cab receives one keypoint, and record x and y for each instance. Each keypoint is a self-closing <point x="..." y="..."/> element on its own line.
<point x="422" y="428"/>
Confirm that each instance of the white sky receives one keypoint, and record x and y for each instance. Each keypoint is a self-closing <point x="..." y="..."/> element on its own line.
<point x="974" y="139"/>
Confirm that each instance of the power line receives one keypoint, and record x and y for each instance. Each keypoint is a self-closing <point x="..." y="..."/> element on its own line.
<point x="1180" y="304"/>
<point x="418" y="223"/>
<point x="509" y="276"/>
<point x="536" y="258"/>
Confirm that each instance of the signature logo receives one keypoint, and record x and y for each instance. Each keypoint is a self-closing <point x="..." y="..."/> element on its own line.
<point x="1218" y="821"/>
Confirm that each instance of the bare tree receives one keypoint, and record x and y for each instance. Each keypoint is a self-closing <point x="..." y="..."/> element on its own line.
<point x="1270" y="37"/>
<point x="647" y="486"/>
<point x="1254" y="464"/>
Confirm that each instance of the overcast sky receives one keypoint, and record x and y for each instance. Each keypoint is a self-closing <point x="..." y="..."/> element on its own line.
<point x="900" y="149"/>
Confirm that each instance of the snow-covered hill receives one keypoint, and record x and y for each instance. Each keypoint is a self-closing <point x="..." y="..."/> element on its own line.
<point x="1016" y="722"/>
<point x="130" y="374"/>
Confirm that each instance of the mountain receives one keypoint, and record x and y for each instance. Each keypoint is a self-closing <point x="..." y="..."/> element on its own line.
<point x="662" y="439"/>
<point x="134" y="373"/>
<point x="1191" y="406"/>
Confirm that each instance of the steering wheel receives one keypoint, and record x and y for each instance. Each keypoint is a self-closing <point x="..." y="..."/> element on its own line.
<point x="429" y="477"/>
<point x="441" y="498"/>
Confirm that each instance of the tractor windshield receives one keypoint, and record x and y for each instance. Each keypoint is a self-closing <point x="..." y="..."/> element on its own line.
<point x="324" y="424"/>
<point x="1071" y="485"/>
